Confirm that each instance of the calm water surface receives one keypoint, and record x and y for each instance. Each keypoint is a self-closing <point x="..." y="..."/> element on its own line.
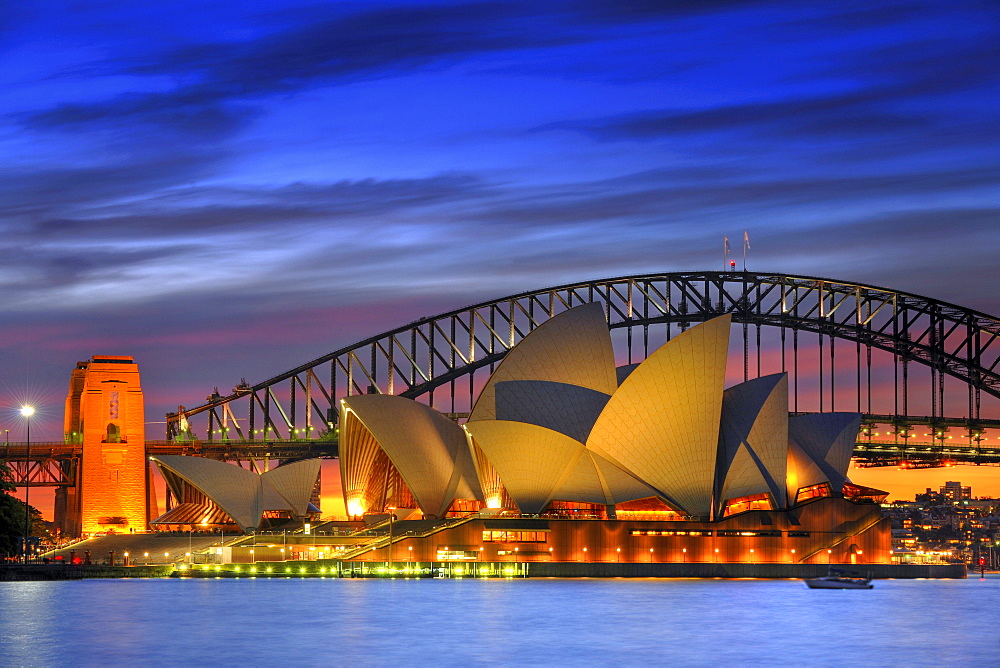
<point x="506" y="622"/>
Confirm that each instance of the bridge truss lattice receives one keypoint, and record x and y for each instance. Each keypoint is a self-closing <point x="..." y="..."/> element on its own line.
<point x="834" y="338"/>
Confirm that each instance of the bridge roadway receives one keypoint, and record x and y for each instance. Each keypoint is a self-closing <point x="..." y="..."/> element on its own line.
<point x="53" y="464"/>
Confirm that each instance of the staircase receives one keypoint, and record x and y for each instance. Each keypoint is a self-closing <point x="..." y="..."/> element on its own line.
<point x="382" y="541"/>
<point x="860" y="526"/>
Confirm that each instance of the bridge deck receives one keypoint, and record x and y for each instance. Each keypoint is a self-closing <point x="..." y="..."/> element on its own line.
<point x="46" y="470"/>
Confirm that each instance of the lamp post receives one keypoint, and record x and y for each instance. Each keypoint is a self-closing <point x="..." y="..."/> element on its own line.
<point x="684" y="553"/>
<point x="26" y="413"/>
<point x="392" y="517"/>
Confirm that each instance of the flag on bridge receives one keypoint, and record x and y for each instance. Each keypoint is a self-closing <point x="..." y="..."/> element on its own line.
<point x="746" y="247"/>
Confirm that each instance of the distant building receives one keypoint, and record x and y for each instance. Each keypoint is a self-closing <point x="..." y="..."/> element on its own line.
<point x="953" y="491"/>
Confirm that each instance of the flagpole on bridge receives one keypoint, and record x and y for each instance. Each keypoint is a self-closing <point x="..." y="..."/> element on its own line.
<point x="746" y="247"/>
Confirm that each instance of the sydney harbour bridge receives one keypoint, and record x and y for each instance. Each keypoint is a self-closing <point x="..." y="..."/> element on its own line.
<point x="923" y="372"/>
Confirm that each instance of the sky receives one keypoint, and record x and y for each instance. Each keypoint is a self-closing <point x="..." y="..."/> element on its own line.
<point x="227" y="190"/>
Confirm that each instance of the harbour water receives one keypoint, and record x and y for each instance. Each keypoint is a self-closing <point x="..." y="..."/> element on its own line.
<point x="497" y="622"/>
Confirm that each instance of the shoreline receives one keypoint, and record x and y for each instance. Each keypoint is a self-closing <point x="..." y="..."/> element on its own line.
<point x="334" y="569"/>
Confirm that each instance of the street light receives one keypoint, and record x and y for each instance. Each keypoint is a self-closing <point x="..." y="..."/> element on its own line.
<point x="392" y="517"/>
<point x="26" y="413"/>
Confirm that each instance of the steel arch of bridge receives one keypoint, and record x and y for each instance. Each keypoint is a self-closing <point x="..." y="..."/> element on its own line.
<point x="418" y="359"/>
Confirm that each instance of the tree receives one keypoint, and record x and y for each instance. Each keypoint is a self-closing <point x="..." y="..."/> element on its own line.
<point x="12" y="516"/>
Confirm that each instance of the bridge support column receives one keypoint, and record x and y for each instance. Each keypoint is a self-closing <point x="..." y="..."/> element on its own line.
<point x="104" y="412"/>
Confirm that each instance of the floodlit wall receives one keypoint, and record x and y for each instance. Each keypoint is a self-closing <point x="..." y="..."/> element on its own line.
<point x="824" y="531"/>
<point x="104" y="412"/>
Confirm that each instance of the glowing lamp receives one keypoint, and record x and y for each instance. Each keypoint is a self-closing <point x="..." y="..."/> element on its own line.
<point x="27" y="411"/>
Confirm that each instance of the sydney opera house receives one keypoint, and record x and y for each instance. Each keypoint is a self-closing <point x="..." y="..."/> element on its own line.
<point x="566" y="457"/>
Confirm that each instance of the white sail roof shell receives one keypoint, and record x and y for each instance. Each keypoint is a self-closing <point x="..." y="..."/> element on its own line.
<point x="803" y="471"/>
<point x="428" y="449"/>
<point x="242" y="494"/>
<point x="295" y="482"/>
<point x="662" y="424"/>
<point x="573" y="347"/>
<point x="745" y="477"/>
<point x="539" y="465"/>
<point x="829" y="440"/>
<point x="530" y="460"/>
<point x="755" y="419"/>
<point x="568" y="409"/>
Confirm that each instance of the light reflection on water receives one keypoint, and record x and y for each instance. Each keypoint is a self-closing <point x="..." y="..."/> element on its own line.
<point x="470" y="622"/>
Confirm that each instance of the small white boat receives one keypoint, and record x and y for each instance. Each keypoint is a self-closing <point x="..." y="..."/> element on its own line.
<point x="838" y="579"/>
